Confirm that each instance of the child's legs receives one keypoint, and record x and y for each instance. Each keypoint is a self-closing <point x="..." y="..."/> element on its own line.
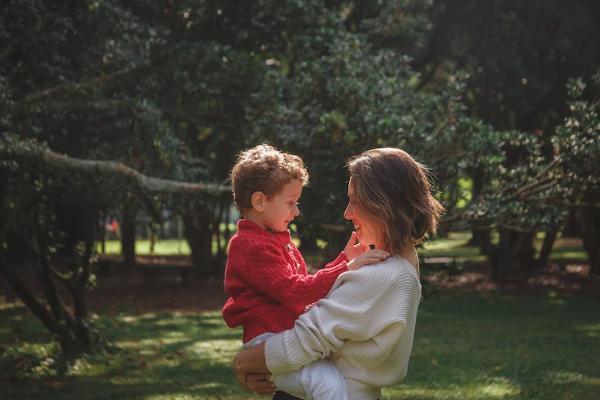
<point x="319" y="380"/>
<point x="290" y="383"/>
<point x="322" y="380"/>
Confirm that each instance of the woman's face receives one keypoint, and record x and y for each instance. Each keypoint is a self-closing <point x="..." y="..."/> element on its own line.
<point x="368" y="230"/>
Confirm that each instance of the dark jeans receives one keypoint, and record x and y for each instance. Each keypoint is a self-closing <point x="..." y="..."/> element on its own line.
<point x="284" y="396"/>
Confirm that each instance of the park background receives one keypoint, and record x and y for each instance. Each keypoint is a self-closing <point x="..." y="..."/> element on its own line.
<point x="120" y="121"/>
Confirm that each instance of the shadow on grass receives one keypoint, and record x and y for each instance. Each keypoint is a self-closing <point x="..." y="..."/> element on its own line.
<point x="167" y="355"/>
<point x="476" y="347"/>
<point x="466" y="347"/>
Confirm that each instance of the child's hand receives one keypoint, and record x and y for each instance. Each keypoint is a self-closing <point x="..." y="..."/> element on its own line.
<point x="368" y="257"/>
<point x="354" y="248"/>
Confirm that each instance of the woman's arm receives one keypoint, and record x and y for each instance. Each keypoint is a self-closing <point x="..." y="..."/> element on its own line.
<point x="366" y="306"/>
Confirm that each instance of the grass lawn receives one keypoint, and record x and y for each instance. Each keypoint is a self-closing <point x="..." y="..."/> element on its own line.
<point x="469" y="346"/>
<point x="454" y="245"/>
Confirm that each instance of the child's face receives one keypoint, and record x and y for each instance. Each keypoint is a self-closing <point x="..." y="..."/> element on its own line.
<point x="282" y="208"/>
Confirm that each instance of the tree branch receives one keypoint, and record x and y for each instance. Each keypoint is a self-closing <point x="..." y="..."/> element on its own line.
<point x="114" y="168"/>
<point x="71" y="88"/>
<point x="537" y="181"/>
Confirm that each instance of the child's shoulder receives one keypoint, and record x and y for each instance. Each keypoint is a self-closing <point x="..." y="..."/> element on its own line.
<point x="249" y="242"/>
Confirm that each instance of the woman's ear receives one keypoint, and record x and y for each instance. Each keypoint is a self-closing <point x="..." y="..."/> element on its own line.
<point x="258" y="200"/>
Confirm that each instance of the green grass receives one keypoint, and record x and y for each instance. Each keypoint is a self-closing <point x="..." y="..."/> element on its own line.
<point x="142" y="247"/>
<point x="454" y="245"/>
<point x="466" y="347"/>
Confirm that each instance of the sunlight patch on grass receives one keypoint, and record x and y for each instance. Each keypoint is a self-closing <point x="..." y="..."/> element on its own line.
<point x="498" y="388"/>
<point x="452" y="241"/>
<point x="569" y="377"/>
<point x="171" y="396"/>
<point x="83" y="368"/>
<point x="568" y="255"/>
<point x="6" y="305"/>
<point x="175" y="336"/>
<point x="217" y="350"/>
<point x="591" y="330"/>
<point x="142" y="247"/>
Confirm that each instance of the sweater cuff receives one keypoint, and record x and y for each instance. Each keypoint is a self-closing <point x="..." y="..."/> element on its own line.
<point x="341" y="258"/>
<point x="275" y="356"/>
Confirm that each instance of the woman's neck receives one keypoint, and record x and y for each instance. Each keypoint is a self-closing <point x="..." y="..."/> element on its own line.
<point x="409" y="253"/>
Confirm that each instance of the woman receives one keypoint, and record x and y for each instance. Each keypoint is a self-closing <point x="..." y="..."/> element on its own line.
<point x="367" y="321"/>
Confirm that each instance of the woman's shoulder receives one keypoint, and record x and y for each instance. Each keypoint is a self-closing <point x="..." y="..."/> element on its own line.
<point x="394" y="266"/>
<point x="393" y="270"/>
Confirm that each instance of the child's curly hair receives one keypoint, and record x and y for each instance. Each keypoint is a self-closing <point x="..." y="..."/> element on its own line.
<point x="264" y="169"/>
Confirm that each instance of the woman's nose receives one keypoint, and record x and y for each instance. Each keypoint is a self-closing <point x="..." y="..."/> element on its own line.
<point x="348" y="212"/>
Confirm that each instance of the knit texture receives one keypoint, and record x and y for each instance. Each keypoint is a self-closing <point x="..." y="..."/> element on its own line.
<point x="267" y="281"/>
<point x="365" y="325"/>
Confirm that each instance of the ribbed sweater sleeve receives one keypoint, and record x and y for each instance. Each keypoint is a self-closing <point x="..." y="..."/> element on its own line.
<point x="368" y="318"/>
<point x="268" y="271"/>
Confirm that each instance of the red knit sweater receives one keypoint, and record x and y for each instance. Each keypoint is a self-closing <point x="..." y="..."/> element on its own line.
<point x="267" y="282"/>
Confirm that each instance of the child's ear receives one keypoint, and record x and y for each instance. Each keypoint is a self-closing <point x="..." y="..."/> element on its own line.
<point x="258" y="201"/>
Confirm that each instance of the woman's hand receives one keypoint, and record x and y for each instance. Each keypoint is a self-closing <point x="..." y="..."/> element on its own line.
<point x="354" y="248"/>
<point x="260" y="384"/>
<point x="251" y="370"/>
<point x="368" y="257"/>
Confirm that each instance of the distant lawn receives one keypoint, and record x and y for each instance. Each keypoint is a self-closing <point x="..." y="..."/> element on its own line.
<point x="142" y="247"/>
<point x="455" y="245"/>
<point x="466" y="347"/>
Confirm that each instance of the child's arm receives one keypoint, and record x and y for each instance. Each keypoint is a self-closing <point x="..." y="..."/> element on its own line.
<point x="353" y="247"/>
<point x="352" y="254"/>
<point x="367" y="258"/>
<point x="267" y="270"/>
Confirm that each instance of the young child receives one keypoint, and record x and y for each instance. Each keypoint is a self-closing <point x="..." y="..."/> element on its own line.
<point x="266" y="277"/>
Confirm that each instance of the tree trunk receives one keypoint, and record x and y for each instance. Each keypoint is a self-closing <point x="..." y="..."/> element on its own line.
<point x="589" y="221"/>
<point x="544" y="256"/>
<point x="198" y="233"/>
<point x="514" y="254"/>
<point x="128" y="225"/>
<point x="480" y="237"/>
<point x="18" y="285"/>
<point x="219" y="258"/>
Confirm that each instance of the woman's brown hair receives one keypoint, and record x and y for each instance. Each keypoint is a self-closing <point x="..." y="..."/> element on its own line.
<point x="394" y="190"/>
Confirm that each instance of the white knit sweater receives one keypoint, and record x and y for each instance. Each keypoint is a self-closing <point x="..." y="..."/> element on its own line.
<point x="366" y="325"/>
